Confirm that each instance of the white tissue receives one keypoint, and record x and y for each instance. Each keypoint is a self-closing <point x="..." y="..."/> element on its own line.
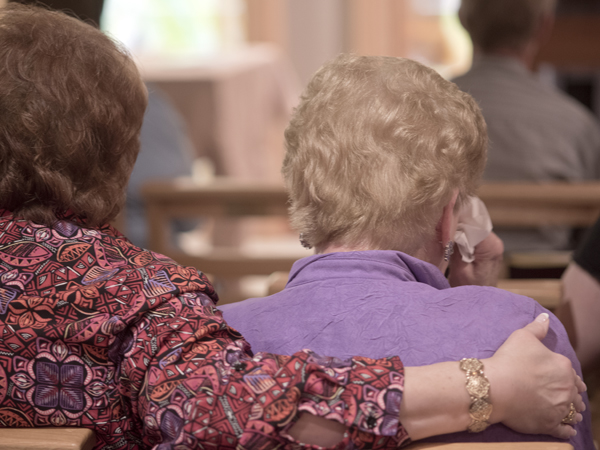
<point x="474" y="225"/>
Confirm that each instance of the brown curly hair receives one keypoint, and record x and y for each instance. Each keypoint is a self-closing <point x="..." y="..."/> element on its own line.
<point x="71" y="109"/>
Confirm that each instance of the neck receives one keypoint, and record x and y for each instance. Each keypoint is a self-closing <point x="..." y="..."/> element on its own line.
<point x="334" y="248"/>
<point x="429" y="253"/>
<point x="525" y="55"/>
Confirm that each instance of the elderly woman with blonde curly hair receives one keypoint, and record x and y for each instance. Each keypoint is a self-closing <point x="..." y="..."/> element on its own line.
<point x="96" y="332"/>
<point x="381" y="154"/>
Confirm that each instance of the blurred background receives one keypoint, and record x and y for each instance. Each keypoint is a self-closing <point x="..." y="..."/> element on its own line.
<point x="282" y="42"/>
<point x="308" y="31"/>
<point x="224" y="76"/>
<point x="179" y="40"/>
<point x="233" y="71"/>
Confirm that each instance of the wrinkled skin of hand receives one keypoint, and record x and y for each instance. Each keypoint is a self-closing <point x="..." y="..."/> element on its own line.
<point x="484" y="270"/>
<point x="533" y="387"/>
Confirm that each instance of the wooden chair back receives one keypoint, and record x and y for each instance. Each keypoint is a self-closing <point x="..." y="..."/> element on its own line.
<point x="492" y="446"/>
<point x="46" y="439"/>
<point x="528" y="205"/>
<point x="224" y="197"/>
<point x="518" y="205"/>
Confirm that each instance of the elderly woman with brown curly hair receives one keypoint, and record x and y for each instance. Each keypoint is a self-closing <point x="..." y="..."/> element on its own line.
<point x="96" y="332"/>
<point x="382" y="153"/>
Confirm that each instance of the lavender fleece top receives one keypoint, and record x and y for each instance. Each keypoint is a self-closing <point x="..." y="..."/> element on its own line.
<point x="382" y="303"/>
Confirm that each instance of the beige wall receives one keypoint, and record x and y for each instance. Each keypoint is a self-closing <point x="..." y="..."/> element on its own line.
<point x="309" y="31"/>
<point x="314" y="31"/>
<point x="379" y="27"/>
<point x="267" y="22"/>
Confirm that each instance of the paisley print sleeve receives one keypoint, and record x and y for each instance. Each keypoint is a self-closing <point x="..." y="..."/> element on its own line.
<point x="98" y="333"/>
<point x="203" y="386"/>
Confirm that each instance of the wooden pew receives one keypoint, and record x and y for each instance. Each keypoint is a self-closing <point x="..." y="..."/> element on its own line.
<point x="527" y="205"/>
<point x="547" y="291"/>
<point x="225" y="197"/>
<point x="492" y="446"/>
<point x="46" y="439"/>
<point x="83" y="439"/>
<point x="517" y="205"/>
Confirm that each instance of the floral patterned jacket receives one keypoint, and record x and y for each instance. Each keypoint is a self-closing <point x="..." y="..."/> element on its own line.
<point x="98" y="333"/>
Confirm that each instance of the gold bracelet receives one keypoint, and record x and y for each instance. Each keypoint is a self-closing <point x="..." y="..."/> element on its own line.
<point x="478" y="387"/>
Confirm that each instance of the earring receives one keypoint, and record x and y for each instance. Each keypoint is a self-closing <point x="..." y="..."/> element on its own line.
<point x="303" y="242"/>
<point x="448" y="250"/>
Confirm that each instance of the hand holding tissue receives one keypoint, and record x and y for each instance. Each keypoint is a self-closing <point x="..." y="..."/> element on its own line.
<point x="474" y="225"/>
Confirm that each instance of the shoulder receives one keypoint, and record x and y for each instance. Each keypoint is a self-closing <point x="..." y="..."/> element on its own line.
<point x="492" y="301"/>
<point x="508" y="312"/>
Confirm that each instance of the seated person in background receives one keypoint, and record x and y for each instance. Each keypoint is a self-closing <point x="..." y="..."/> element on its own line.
<point x="536" y="132"/>
<point x="96" y="332"/>
<point x="381" y="154"/>
<point x="166" y="152"/>
<point x="580" y="311"/>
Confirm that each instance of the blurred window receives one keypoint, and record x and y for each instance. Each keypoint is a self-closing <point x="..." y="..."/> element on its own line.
<point x="437" y="38"/>
<point x="155" y="28"/>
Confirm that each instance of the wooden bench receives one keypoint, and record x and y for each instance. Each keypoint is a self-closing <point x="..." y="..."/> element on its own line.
<point x="83" y="439"/>
<point x="46" y="439"/>
<point x="527" y="205"/>
<point x="493" y="446"/>
<point x="518" y="205"/>
<point x="547" y="292"/>
<point x="224" y="197"/>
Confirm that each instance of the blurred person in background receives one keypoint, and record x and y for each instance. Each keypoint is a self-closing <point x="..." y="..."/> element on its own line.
<point x="580" y="310"/>
<point x="536" y="132"/>
<point x="383" y="157"/>
<point x="96" y="332"/>
<point x="166" y="150"/>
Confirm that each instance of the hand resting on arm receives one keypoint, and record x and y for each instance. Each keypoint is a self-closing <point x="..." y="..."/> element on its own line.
<point x="531" y="390"/>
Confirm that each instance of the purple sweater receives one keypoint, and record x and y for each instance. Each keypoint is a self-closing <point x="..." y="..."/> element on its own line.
<point x="382" y="303"/>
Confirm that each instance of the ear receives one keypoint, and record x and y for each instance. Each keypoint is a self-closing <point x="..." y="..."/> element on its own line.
<point x="446" y="226"/>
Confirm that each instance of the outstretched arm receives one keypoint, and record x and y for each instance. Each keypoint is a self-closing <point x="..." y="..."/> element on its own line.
<point x="531" y="391"/>
<point x="190" y="378"/>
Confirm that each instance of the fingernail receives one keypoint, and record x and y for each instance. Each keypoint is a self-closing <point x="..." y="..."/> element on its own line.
<point x="543" y="317"/>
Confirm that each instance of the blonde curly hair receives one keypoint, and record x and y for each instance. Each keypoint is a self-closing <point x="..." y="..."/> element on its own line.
<point x="375" y="150"/>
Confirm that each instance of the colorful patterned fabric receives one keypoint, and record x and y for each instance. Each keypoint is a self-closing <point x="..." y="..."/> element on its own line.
<point x="98" y="333"/>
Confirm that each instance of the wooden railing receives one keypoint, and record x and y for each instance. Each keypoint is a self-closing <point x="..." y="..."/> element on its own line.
<point x="492" y="446"/>
<point x="518" y="205"/>
<point x="224" y="198"/>
<point x="55" y="438"/>
<point x="527" y="205"/>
